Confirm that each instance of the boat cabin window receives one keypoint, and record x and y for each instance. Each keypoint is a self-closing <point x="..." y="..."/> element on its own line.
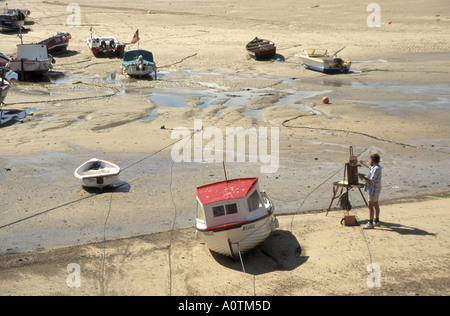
<point x="225" y="209"/>
<point x="254" y="202"/>
<point x="231" y="208"/>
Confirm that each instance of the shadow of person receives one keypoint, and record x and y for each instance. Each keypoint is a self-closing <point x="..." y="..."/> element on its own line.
<point x="279" y="252"/>
<point x="404" y="230"/>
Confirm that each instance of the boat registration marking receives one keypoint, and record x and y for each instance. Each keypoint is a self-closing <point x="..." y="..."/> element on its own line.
<point x="248" y="227"/>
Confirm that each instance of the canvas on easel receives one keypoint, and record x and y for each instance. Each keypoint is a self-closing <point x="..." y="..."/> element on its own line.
<point x="352" y="169"/>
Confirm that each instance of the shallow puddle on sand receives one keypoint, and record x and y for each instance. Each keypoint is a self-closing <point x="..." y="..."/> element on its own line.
<point x="213" y="97"/>
<point x="215" y="94"/>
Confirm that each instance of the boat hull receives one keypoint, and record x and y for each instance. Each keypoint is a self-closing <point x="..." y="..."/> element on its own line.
<point x="108" y="52"/>
<point x="325" y="65"/>
<point x="105" y="46"/>
<point x="261" y="49"/>
<point x="99" y="181"/>
<point x="9" y="23"/>
<point x="238" y="237"/>
<point x="135" y="71"/>
<point x="31" y="66"/>
<point x="57" y="43"/>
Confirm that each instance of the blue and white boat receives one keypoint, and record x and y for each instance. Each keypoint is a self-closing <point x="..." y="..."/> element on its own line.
<point x="321" y="60"/>
<point x="138" y="63"/>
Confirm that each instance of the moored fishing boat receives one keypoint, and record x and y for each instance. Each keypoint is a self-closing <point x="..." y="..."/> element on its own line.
<point x="233" y="216"/>
<point x="32" y="59"/>
<point x="138" y="62"/>
<point x="321" y="60"/>
<point x="105" y="46"/>
<point x="57" y="43"/>
<point x="11" y="21"/>
<point x="97" y="173"/>
<point x="260" y="48"/>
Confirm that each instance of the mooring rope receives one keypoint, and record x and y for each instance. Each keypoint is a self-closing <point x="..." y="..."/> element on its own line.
<point x="243" y="269"/>
<point x="104" y="245"/>
<point x="367" y="244"/>
<point x="175" y="210"/>
<point x="360" y="134"/>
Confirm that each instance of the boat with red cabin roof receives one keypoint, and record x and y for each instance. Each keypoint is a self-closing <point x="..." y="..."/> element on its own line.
<point x="233" y="216"/>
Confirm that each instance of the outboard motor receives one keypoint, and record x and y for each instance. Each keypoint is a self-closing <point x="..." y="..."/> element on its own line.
<point x="140" y="63"/>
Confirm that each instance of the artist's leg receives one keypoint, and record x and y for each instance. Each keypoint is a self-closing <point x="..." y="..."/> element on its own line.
<point x="371" y="210"/>
<point x="377" y="213"/>
<point x="369" y="225"/>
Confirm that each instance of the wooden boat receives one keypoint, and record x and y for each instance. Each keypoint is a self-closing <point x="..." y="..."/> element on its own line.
<point x="32" y="59"/>
<point x="57" y="43"/>
<point x="321" y="60"/>
<point x="11" y="21"/>
<point x="105" y="46"/>
<point x="97" y="173"/>
<point x="233" y="216"/>
<point x="261" y="48"/>
<point x="138" y="62"/>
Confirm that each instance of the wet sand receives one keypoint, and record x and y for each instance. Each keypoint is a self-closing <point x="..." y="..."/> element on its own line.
<point x="394" y="102"/>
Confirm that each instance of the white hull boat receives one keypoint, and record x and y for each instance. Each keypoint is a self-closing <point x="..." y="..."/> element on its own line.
<point x="320" y="60"/>
<point x="97" y="173"/>
<point x="32" y="58"/>
<point x="105" y="46"/>
<point x="233" y="216"/>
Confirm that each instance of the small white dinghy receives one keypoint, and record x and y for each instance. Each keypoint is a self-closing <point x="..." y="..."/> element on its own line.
<point x="97" y="173"/>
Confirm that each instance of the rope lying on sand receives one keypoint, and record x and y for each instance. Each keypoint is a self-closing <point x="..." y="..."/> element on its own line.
<point x="355" y="133"/>
<point x="178" y="62"/>
<point x="343" y="131"/>
<point x="189" y="138"/>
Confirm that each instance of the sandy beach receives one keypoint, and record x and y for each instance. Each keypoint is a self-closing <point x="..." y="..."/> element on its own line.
<point x="137" y="238"/>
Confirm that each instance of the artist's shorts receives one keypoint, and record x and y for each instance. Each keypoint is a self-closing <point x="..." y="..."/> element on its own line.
<point x="373" y="198"/>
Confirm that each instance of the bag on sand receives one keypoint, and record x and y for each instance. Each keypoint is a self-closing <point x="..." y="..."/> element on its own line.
<point x="344" y="202"/>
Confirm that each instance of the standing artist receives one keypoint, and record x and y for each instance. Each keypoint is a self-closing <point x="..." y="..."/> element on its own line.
<point x="373" y="188"/>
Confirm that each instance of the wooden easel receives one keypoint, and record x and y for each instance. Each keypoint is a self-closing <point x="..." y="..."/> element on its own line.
<point x="351" y="173"/>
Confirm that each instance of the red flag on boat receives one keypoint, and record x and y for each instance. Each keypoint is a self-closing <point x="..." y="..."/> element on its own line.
<point x="135" y="37"/>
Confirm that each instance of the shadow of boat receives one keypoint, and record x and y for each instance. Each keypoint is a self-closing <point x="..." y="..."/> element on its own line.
<point x="278" y="58"/>
<point x="279" y="252"/>
<point x="118" y="186"/>
<point x="65" y="53"/>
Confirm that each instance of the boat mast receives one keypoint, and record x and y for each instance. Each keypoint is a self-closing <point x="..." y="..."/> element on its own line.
<point x="20" y="35"/>
<point x="225" y="171"/>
